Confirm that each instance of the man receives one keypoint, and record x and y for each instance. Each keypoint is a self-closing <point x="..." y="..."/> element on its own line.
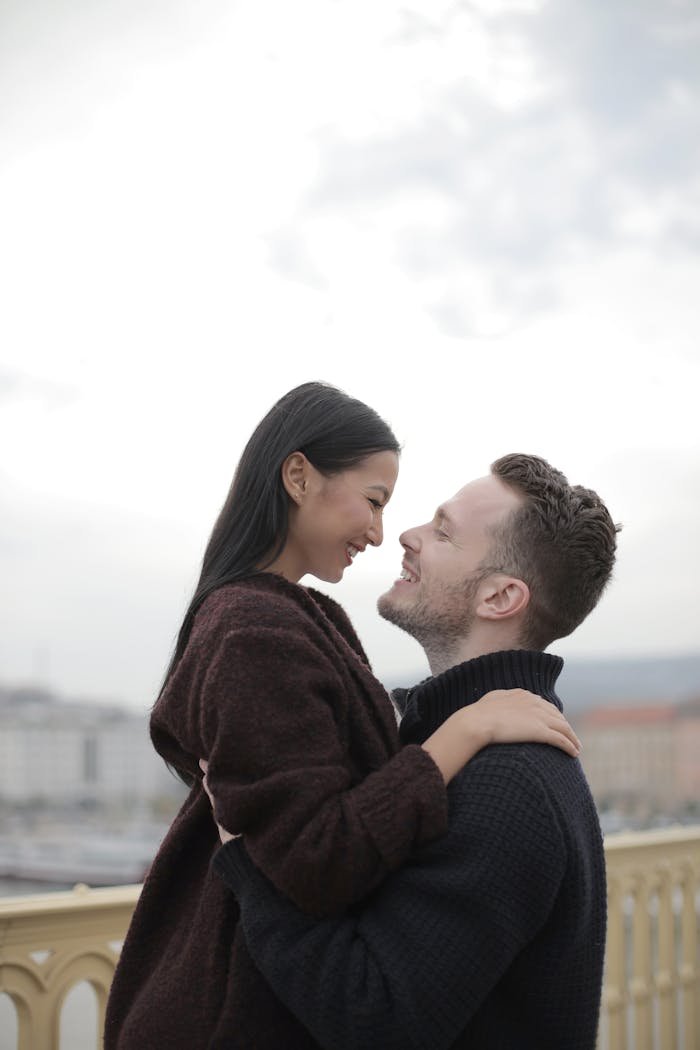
<point x="491" y="938"/>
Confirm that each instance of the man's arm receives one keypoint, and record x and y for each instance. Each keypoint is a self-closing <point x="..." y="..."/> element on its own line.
<point x="410" y="967"/>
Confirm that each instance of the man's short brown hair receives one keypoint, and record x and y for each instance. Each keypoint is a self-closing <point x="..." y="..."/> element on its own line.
<point x="561" y="542"/>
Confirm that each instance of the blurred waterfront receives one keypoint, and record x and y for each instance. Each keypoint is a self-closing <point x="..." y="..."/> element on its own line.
<point x="84" y="798"/>
<point x="19" y="887"/>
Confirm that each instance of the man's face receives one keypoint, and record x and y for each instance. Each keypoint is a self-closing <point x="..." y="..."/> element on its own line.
<point x="436" y="597"/>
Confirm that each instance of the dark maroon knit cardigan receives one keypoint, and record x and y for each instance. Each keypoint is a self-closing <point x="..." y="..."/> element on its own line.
<point x="275" y="691"/>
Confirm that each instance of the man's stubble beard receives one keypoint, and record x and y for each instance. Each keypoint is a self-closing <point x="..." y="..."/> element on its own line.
<point x="439" y="620"/>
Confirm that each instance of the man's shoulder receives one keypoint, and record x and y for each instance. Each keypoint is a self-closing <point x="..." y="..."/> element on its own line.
<point x="530" y="760"/>
<point x="518" y="784"/>
<point x="504" y="768"/>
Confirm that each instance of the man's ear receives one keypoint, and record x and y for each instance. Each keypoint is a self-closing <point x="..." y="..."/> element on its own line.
<point x="502" y="597"/>
<point x="295" y="470"/>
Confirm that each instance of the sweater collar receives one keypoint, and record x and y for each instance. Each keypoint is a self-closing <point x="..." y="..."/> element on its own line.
<point x="427" y="705"/>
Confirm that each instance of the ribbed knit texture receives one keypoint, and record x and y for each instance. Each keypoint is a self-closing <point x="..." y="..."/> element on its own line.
<point x="491" y="938"/>
<point x="426" y="706"/>
<point x="275" y="691"/>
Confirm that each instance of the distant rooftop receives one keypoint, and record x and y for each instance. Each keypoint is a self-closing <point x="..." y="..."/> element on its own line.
<point x="31" y="705"/>
<point x="607" y="717"/>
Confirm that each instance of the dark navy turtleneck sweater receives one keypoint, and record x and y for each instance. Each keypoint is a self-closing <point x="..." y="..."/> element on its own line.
<point x="490" y="938"/>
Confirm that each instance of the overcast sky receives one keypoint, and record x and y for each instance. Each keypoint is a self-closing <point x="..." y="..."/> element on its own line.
<point x="482" y="218"/>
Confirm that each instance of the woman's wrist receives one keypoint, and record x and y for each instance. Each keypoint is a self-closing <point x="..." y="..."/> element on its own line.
<point x="457" y="741"/>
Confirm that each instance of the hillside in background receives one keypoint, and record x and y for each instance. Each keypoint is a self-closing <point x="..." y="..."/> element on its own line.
<point x="583" y="684"/>
<point x="590" y="683"/>
<point x="619" y="682"/>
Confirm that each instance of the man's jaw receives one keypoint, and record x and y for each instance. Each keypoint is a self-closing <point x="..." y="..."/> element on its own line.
<point x="443" y="623"/>
<point x="411" y="616"/>
<point x="406" y="586"/>
<point x="405" y="594"/>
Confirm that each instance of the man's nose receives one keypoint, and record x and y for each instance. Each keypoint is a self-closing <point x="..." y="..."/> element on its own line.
<point x="410" y="539"/>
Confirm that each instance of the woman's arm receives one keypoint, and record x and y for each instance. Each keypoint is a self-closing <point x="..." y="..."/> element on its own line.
<point x="275" y="714"/>
<point x="271" y="725"/>
<point x="502" y="716"/>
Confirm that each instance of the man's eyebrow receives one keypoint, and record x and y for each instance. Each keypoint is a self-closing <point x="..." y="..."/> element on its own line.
<point x="444" y="518"/>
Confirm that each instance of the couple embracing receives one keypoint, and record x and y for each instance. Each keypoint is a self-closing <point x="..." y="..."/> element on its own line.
<point x="435" y="885"/>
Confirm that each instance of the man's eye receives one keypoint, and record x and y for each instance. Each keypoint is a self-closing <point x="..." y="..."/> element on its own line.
<point x="443" y="535"/>
<point x="375" y="503"/>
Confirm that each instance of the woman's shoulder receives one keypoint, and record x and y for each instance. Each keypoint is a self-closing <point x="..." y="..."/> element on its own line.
<point x="268" y="600"/>
<point x="340" y="620"/>
<point x="247" y="602"/>
<point x="263" y="600"/>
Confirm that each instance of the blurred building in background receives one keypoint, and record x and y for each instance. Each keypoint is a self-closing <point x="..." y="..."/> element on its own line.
<point x="76" y="753"/>
<point x="644" y="761"/>
<point x="83" y="795"/>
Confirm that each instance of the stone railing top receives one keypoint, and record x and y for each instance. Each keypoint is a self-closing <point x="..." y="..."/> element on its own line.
<point x="680" y="835"/>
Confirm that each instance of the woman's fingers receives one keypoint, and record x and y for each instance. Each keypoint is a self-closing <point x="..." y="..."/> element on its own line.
<point x="224" y="835"/>
<point x="557" y="721"/>
<point x="560" y="733"/>
<point x="204" y="766"/>
<point x="514" y="715"/>
<point x="562" y="726"/>
<point x="563" y="742"/>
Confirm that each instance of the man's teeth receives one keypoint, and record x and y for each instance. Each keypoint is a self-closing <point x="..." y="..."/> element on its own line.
<point x="352" y="551"/>
<point x="407" y="576"/>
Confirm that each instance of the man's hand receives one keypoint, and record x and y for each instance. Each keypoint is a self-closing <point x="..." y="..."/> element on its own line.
<point x="224" y="835"/>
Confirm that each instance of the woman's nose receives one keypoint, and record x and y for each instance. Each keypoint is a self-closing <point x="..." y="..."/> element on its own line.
<point x="375" y="534"/>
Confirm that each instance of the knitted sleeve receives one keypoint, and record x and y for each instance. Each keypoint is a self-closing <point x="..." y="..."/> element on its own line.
<point x="281" y="778"/>
<point x="410" y="968"/>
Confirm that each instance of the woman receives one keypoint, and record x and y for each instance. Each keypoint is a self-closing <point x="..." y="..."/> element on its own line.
<point x="270" y="685"/>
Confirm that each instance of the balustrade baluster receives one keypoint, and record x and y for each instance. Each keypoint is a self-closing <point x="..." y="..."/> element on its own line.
<point x="689" y="976"/>
<point x="666" y="976"/>
<point x="640" y="985"/>
<point x="614" y="992"/>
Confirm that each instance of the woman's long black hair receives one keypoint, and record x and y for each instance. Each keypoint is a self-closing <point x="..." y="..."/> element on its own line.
<point x="335" y="432"/>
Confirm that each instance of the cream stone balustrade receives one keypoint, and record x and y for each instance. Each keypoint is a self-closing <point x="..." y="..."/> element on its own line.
<point x="51" y="942"/>
<point x="651" y="995"/>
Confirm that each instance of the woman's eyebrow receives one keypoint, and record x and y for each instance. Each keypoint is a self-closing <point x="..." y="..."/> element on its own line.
<point x="381" y="488"/>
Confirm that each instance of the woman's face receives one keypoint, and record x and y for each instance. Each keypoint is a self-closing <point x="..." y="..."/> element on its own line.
<point x="336" y="517"/>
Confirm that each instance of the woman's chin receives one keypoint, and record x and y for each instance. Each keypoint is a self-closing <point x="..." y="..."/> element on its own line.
<point x="327" y="575"/>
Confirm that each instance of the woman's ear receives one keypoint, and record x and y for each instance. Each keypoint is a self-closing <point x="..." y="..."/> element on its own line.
<point x="295" y="470"/>
<point x="503" y="597"/>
